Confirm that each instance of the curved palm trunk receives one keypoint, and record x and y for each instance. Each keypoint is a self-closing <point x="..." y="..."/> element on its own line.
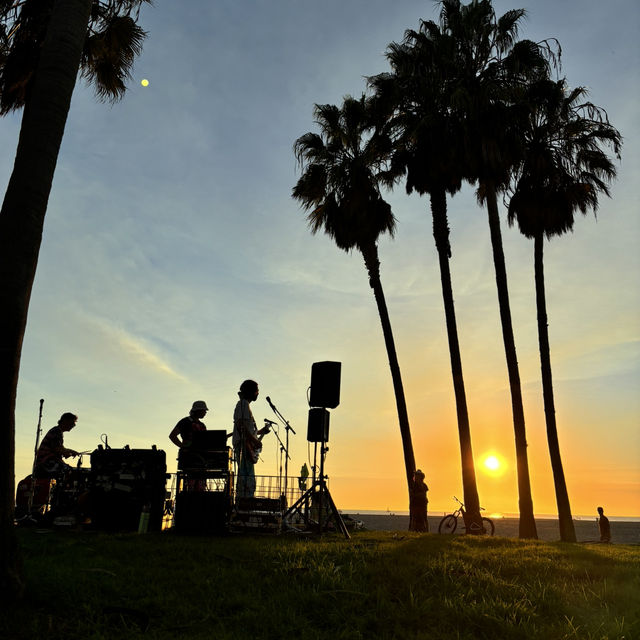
<point x="567" y="529"/>
<point x="370" y="255"/>
<point x="527" y="525"/>
<point x="21" y="224"/>
<point x="441" y="236"/>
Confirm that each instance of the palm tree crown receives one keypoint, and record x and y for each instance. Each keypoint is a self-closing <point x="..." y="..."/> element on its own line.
<point x="113" y="41"/>
<point x="425" y="127"/>
<point x="564" y="167"/>
<point x="342" y="170"/>
<point x="488" y="63"/>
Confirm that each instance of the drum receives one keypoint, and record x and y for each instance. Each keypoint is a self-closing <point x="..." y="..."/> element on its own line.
<point x="40" y="495"/>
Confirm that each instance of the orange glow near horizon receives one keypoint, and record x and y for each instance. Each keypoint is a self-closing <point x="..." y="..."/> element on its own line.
<point x="366" y="463"/>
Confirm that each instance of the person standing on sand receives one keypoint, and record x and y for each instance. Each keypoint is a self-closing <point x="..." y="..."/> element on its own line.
<point x="605" y="527"/>
<point x="418" y="503"/>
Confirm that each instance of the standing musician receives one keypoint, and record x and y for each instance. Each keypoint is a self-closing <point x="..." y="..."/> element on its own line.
<point x="49" y="462"/>
<point x="185" y="429"/>
<point x="187" y="426"/>
<point x="246" y="439"/>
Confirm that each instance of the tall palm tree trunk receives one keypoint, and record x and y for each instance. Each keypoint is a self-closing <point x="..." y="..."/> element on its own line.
<point x="527" y="524"/>
<point x="441" y="236"/>
<point x="370" y="255"/>
<point x="21" y="224"/>
<point x="567" y="529"/>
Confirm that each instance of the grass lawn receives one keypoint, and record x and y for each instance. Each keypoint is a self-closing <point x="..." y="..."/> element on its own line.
<point x="376" y="585"/>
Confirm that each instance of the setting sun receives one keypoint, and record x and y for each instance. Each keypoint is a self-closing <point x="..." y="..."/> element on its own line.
<point x="493" y="464"/>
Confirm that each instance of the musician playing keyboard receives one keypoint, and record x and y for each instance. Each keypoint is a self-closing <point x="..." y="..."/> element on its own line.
<point x="49" y="462"/>
<point x="246" y="439"/>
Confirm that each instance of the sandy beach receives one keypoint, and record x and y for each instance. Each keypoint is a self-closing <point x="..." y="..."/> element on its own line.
<point x="586" y="530"/>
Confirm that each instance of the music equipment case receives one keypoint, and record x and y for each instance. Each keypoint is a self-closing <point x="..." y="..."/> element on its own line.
<point x="124" y="481"/>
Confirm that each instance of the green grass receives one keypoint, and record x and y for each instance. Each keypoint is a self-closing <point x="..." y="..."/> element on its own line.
<point x="376" y="585"/>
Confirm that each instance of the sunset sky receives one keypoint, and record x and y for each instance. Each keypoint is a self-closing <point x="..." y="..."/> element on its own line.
<point x="175" y="264"/>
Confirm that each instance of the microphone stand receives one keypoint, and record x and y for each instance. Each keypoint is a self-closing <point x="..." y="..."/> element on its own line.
<point x="282" y="449"/>
<point x="33" y="468"/>
<point x="288" y="428"/>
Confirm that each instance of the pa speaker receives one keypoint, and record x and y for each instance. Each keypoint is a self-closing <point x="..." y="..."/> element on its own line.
<point x="325" y="385"/>
<point x="202" y="512"/>
<point x="318" y="426"/>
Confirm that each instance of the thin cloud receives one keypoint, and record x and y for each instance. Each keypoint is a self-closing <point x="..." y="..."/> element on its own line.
<point x="136" y="348"/>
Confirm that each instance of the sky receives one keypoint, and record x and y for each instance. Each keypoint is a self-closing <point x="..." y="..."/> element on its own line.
<point x="175" y="264"/>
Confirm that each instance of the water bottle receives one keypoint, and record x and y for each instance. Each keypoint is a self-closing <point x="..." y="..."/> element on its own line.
<point x="143" y="525"/>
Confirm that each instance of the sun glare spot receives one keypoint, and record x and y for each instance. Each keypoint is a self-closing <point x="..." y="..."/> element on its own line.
<point x="144" y="82"/>
<point x="493" y="464"/>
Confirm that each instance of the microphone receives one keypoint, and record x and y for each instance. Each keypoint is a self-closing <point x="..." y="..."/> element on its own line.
<point x="270" y="403"/>
<point x="269" y="421"/>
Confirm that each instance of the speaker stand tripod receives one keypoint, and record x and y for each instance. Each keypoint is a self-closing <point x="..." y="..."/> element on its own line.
<point x="318" y="494"/>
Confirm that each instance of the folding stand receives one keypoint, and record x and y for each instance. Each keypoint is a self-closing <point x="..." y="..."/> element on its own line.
<point x="317" y="492"/>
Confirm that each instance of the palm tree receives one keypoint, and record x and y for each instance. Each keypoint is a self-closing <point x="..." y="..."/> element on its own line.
<point x="489" y="64"/>
<point x="41" y="79"/>
<point x="339" y="187"/>
<point x="426" y="150"/>
<point x="113" y="39"/>
<point x="563" y="170"/>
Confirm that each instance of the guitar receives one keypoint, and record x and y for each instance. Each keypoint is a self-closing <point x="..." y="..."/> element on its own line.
<point x="254" y="450"/>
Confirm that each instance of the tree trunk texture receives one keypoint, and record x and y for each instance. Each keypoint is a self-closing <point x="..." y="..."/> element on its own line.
<point x="565" y="520"/>
<point x="370" y="255"/>
<point x="21" y="224"/>
<point x="527" y="524"/>
<point x="441" y="236"/>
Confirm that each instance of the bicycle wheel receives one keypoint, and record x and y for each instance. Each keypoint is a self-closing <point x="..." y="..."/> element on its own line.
<point x="448" y="524"/>
<point x="488" y="527"/>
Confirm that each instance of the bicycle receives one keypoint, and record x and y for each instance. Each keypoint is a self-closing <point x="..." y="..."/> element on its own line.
<point x="449" y="523"/>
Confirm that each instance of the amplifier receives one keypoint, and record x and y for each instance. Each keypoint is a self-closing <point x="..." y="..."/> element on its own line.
<point x="123" y="481"/>
<point x="130" y="461"/>
<point x="220" y="461"/>
<point x="215" y="440"/>
<point x="202" y="512"/>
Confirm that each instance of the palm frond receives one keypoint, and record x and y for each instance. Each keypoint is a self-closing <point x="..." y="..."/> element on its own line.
<point x="113" y="41"/>
<point x="108" y="56"/>
<point x="564" y="167"/>
<point x="343" y="167"/>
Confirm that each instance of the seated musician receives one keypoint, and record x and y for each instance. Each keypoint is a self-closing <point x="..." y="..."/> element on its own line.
<point x="49" y="457"/>
<point x="187" y="426"/>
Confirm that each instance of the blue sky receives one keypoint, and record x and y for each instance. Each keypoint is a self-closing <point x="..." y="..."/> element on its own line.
<point x="175" y="264"/>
